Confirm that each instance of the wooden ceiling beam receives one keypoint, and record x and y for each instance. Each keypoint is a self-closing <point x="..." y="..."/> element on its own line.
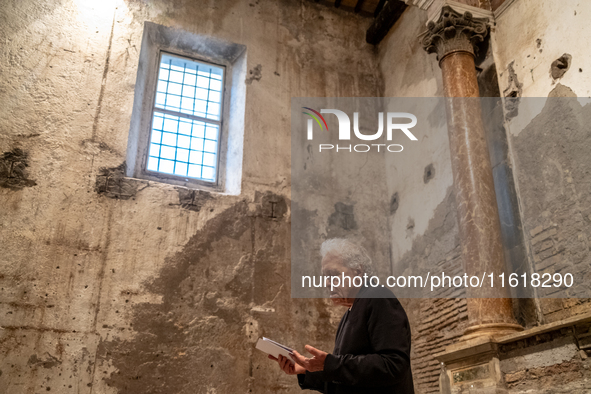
<point x="389" y="14"/>
<point x="379" y="8"/>
<point x="358" y="6"/>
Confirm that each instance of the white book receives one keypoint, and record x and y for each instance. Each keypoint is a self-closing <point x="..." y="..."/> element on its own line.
<point x="273" y="348"/>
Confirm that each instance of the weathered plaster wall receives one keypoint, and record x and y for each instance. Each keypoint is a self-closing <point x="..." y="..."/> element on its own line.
<point x="556" y="207"/>
<point x="544" y="68"/>
<point x="408" y="71"/>
<point x="144" y="287"/>
<point x="552" y="29"/>
<point x="336" y="194"/>
<point x="423" y="220"/>
<point x="549" y="136"/>
<point x="540" y="147"/>
<point x="165" y="290"/>
<point x="432" y="238"/>
<point x="549" y="362"/>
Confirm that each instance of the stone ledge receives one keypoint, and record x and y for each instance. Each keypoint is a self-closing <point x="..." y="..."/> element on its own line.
<point x="571" y="321"/>
<point x="487" y="345"/>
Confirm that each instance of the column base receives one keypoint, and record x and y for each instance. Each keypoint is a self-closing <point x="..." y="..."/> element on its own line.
<point x="471" y="366"/>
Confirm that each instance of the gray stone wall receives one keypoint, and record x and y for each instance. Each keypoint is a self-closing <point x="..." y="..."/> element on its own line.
<point x="553" y="362"/>
<point x="541" y="177"/>
<point x="110" y="285"/>
<point x="552" y="166"/>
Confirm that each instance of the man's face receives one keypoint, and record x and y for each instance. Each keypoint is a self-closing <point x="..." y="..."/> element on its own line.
<point x="334" y="266"/>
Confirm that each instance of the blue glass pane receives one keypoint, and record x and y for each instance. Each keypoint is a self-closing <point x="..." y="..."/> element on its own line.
<point x="183" y="147"/>
<point x="179" y="145"/>
<point x="174" y="88"/>
<point x="168" y="152"/>
<point x="176" y="76"/>
<point x="154" y="150"/>
<point x="158" y="120"/>
<point x="180" y="169"/>
<point x="194" y="171"/>
<point x="169" y="139"/>
<point x="152" y="164"/>
<point x="212" y="132"/>
<point x="210" y="146"/>
<point x="197" y="144"/>
<point x="195" y="157"/>
<point x="156" y="136"/>
<point x="208" y="173"/>
<point x="180" y="77"/>
<point x="185" y="128"/>
<point x="201" y="94"/>
<point x="166" y="166"/>
<point x="184" y="141"/>
<point x="189" y="79"/>
<point x="199" y="129"/>
<point x="209" y="159"/>
<point x="182" y="155"/>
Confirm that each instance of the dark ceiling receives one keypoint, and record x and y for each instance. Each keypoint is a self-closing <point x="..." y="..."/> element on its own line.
<point x="362" y="7"/>
<point x="384" y="12"/>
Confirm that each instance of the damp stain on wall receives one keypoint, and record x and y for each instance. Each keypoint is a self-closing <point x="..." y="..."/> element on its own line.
<point x="14" y="170"/>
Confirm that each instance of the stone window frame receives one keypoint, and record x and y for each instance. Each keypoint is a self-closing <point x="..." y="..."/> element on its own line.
<point x="158" y="39"/>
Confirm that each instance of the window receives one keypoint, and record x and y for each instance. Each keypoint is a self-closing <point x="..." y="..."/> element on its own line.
<point x="187" y="124"/>
<point x="187" y="119"/>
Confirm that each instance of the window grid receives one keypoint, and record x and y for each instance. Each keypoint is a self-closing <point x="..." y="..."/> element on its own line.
<point x="192" y="134"/>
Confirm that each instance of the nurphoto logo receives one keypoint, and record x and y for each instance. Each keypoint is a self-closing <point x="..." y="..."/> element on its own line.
<point x="345" y="130"/>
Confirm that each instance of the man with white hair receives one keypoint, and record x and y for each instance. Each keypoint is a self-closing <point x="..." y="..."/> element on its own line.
<point x="372" y="346"/>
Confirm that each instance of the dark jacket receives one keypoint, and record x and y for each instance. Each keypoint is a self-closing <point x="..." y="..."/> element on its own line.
<point x="372" y="349"/>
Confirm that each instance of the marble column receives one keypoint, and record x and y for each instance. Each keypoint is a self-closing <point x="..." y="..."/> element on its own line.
<point x="455" y="38"/>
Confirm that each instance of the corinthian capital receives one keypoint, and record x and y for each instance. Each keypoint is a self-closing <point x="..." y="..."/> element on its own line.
<point x="454" y="32"/>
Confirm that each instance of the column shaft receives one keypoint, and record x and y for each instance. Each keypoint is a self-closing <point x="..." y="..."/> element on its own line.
<point x="490" y="309"/>
<point x="478" y="217"/>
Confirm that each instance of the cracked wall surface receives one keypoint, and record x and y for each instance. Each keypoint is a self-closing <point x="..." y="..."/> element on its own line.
<point x="549" y="221"/>
<point x="116" y="285"/>
<point x="546" y="130"/>
<point x="556" y="206"/>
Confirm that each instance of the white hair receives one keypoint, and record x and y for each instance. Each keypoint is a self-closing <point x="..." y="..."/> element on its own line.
<point x="353" y="256"/>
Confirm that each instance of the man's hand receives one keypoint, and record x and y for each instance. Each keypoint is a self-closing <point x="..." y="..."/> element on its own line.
<point x="313" y="364"/>
<point x="288" y="366"/>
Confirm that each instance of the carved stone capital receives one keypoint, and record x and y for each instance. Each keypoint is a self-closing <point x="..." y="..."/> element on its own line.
<point x="454" y="32"/>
